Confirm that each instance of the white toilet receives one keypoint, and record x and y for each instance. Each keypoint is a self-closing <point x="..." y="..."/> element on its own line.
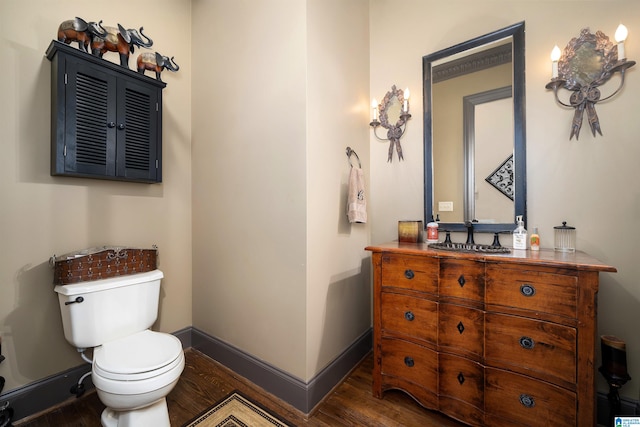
<point x="133" y="367"/>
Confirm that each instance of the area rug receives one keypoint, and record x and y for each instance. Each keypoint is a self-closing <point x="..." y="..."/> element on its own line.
<point x="236" y="410"/>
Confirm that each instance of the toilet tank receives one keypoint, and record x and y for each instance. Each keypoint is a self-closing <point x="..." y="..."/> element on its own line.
<point x="103" y="310"/>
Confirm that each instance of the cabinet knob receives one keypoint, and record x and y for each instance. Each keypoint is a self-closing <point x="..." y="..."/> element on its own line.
<point x="527" y="343"/>
<point x="409" y="361"/>
<point x="527" y="401"/>
<point x="121" y="126"/>
<point x="409" y="274"/>
<point x="409" y="316"/>
<point x="111" y="125"/>
<point x="527" y="290"/>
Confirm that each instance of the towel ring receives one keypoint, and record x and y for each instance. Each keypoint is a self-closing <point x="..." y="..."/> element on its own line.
<point x="349" y="153"/>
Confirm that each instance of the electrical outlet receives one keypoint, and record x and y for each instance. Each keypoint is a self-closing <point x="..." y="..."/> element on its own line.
<point x="445" y="206"/>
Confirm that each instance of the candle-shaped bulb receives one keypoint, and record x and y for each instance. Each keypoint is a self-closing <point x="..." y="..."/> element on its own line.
<point x="374" y="106"/>
<point x="555" y="57"/>
<point x="621" y="33"/>
<point x="621" y="36"/>
<point x="406" y="100"/>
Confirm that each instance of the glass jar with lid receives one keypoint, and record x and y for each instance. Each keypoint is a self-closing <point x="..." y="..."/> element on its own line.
<point x="564" y="238"/>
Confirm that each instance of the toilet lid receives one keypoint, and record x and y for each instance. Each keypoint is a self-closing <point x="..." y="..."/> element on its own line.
<point x="141" y="355"/>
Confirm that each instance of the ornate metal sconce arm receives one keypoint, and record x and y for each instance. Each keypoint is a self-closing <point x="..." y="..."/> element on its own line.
<point x="394" y="133"/>
<point x="621" y="67"/>
<point x="555" y="84"/>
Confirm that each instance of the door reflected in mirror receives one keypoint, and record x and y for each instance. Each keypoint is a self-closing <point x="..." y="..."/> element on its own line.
<point x="474" y="132"/>
<point x="490" y="191"/>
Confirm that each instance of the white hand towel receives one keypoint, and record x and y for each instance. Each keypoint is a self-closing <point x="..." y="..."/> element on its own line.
<point x="356" y="201"/>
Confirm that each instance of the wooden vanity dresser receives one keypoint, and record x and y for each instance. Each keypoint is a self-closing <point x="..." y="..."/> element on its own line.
<point x="494" y="340"/>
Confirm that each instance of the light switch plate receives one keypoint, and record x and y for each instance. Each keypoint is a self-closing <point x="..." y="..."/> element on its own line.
<point x="445" y="206"/>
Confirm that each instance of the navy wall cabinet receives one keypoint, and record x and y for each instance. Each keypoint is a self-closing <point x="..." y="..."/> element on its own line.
<point x="106" y="120"/>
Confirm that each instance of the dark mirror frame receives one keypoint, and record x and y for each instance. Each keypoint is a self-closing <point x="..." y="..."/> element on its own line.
<point x="517" y="32"/>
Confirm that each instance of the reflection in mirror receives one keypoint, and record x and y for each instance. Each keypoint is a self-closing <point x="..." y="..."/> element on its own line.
<point x="393" y="110"/>
<point x="474" y="132"/>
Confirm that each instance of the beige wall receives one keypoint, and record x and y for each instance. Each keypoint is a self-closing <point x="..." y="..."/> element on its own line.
<point x="278" y="272"/>
<point x="591" y="183"/>
<point x="338" y="285"/>
<point x="43" y="215"/>
<point x="249" y="176"/>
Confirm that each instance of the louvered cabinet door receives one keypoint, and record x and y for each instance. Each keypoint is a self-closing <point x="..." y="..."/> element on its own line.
<point x="137" y="131"/>
<point x="106" y="119"/>
<point x="89" y="126"/>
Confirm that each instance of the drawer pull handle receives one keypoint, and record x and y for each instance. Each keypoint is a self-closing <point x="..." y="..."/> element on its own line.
<point x="409" y="361"/>
<point x="461" y="280"/>
<point x="527" y="290"/>
<point x="460" y="378"/>
<point x="527" y="401"/>
<point x="409" y="316"/>
<point x="409" y="274"/>
<point x="527" y="343"/>
<point x="460" y="327"/>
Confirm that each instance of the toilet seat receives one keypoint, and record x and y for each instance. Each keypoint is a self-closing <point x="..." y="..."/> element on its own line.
<point x="140" y="356"/>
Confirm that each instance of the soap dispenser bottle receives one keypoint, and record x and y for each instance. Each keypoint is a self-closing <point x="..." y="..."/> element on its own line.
<point x="535" y="240"/>
<point x="519" y="234"/>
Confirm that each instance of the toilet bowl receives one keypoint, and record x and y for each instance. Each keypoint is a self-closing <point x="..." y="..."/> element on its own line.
<point x="132" y="376"/>
<point x="133" y="368"/>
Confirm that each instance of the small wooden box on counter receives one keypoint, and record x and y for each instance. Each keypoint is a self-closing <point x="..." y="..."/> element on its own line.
<point x="410" y="231"/>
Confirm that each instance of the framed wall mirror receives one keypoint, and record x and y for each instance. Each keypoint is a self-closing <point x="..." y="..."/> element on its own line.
<point x="474" y="132"/>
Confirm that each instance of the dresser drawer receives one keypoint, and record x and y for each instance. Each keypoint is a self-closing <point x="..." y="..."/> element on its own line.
<point x="409" y="316"/>
<point x="532" y="290"/>
<point x="461" y="389"/>
<point x="462" y="279"/>
<point x="512" y="399"/>
<point x="461" y="329"/>
<point x="410" y="272"/>
<point x="411" y="362"/>
<point x="532" y="347"/>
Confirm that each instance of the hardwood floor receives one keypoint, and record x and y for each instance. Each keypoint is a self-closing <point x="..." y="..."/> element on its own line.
<point x="205" y="382"/>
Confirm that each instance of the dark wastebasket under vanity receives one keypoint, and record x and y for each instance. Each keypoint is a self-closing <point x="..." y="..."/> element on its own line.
<point x="488" y="339"/>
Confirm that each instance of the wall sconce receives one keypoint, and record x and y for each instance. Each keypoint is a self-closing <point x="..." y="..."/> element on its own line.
<point x="394" y="114"/>
<point x="586" y="63"/>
